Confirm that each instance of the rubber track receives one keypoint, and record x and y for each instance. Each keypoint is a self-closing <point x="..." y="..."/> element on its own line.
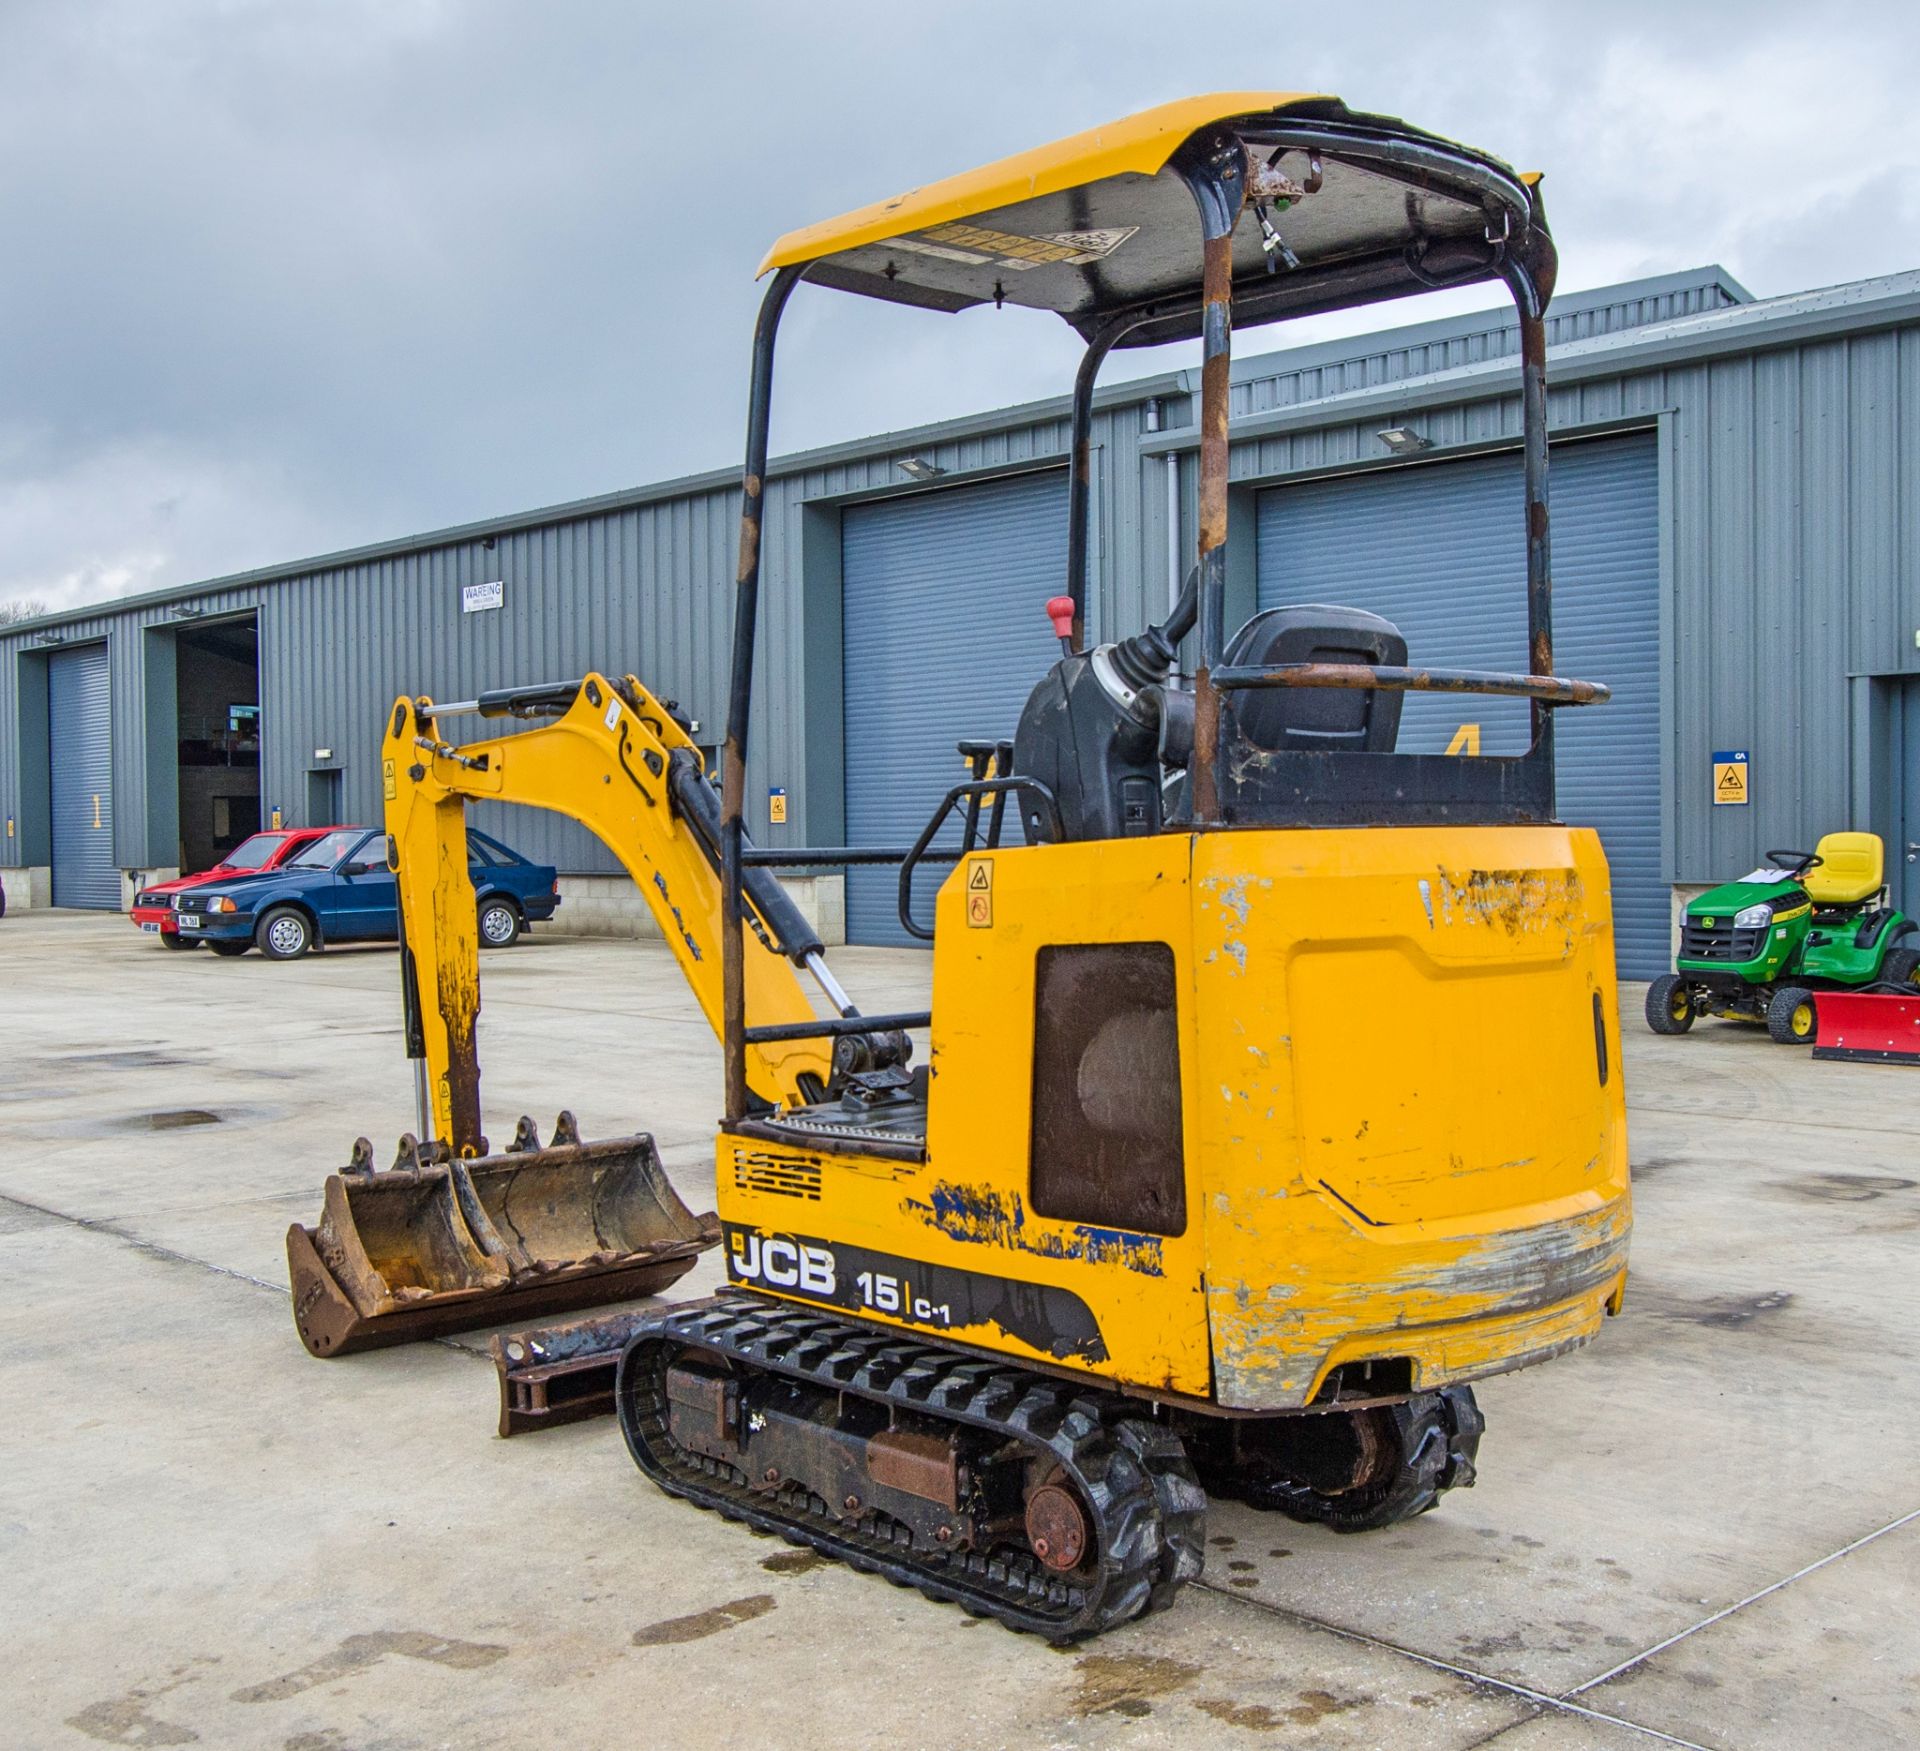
<point x="1149" y="1512"/>
<point x="1439" y="1439"/>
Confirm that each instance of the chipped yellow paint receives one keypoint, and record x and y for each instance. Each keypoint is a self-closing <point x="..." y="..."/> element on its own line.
<point x="1424" y="1163"/>
<point x="1397" y="1140"/>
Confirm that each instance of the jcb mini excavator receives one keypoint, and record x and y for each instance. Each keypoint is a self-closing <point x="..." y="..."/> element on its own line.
<point x="1274" y="1090"/>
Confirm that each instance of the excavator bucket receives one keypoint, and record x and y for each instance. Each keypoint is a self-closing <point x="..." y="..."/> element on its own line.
<point x="435" y="1245"/>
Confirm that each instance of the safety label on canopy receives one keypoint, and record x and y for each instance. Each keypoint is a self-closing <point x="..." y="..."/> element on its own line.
<point x="977" y="246"/>
<point x="1730" y="786"/>
<point x="980" y="893"/>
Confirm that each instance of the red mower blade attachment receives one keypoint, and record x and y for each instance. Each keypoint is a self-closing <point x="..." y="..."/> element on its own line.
<point x="1871" y="1026"/>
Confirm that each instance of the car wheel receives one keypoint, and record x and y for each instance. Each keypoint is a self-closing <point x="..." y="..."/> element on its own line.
<point x="228" y="951"/>
<point x="173" y="939"/>
<point x="1790" y="1016"/>
<point x="285" y="934"/>
<point x="499" y="923"/>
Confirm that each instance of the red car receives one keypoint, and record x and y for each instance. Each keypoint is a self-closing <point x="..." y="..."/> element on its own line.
<point x="153" y="907"/>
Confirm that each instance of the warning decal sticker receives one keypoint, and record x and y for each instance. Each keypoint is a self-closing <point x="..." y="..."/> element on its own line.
<point x="980" y="893"/>
<point x="977" y="246"/>
<point x="1730" y="787"/>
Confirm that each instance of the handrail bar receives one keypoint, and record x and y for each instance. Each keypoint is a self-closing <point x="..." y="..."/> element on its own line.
<point x="835" y="1026"/>
<point x="974" y="788"/>
<point x="781" y="856"/>
<point x="1545" y="689"/>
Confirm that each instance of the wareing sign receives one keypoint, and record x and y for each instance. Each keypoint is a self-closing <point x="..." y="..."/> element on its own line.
<point x="478" y="598"/>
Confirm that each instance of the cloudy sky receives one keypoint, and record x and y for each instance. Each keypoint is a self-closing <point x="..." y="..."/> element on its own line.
<point x="283" y="276"/>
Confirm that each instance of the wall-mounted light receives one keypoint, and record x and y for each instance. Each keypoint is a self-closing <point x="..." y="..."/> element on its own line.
<point x="1404" y="441"/>
<point x="50" y="638"/>
<point x="919" y="468"/>
<point x="323" y="753"/>
<point x="186" y="611"/>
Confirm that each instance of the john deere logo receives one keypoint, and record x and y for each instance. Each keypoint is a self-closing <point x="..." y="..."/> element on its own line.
<point x="1708" y="922"/>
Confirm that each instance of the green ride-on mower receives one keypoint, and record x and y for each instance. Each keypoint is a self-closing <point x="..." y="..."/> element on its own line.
<point x="1758" y="949"/>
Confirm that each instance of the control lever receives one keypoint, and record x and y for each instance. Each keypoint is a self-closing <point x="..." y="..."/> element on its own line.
<point x="1060" y="612"/>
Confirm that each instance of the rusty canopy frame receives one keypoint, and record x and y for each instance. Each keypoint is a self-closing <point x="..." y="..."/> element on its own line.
<point x="1223" y="173"/>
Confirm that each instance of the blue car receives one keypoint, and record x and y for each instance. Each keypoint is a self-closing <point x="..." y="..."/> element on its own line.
<point x="339" y="889"/>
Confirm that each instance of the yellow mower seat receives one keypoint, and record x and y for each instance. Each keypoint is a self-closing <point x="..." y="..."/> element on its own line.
<point x="1852" y="868"/>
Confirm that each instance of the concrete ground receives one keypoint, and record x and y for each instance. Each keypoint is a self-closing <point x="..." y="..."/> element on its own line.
<point x="1703" y="1531"/>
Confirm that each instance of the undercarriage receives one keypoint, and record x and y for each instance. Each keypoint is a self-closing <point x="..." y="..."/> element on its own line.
<point x="1057" y="1507"/>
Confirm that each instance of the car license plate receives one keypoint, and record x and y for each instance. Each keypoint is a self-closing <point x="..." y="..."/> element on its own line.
<point x="188" y="921"/>
<point x="149" y="927"/>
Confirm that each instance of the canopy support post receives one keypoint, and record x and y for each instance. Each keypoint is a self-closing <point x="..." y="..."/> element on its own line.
<point x="1080" y="470"/>
<point x="733" y="765"/>
<point x="1529" y="278"/>
<point x="1216" y="175"/>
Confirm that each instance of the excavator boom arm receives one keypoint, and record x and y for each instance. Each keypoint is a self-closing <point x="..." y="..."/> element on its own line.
<point x="616" y="761"/>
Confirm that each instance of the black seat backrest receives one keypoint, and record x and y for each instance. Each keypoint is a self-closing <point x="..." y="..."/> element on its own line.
<point x="1296" y="719"/>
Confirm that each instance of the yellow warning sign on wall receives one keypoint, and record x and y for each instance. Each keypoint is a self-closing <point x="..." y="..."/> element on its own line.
<point x="980" y="893"/>
<point x="1730" y="781"/>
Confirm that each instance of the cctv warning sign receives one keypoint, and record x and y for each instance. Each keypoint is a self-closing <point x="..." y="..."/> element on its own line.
<point x="1730" y="784"/>
<point x="980" y="893"/>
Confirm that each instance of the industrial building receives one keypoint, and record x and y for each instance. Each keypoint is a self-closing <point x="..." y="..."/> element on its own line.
<point x="1736" y="545"/>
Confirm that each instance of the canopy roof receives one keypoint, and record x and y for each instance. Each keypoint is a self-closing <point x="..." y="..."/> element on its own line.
<point x="1102" y="223"/>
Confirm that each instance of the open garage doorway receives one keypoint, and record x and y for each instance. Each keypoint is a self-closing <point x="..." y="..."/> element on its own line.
<point x="217" y="687"/>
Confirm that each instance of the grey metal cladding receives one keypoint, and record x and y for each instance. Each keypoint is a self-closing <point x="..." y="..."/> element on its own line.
<point x="81" y="760"/>
<point x="1440" y="549"/>
<point x="1789" y="486"/>
<point x="945" y="634"/>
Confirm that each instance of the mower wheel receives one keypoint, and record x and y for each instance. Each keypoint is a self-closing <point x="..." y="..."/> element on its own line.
<point x="1670" y="1005"/>
<point x="1901" y="967"/>
<point x="1790" y="1016"/>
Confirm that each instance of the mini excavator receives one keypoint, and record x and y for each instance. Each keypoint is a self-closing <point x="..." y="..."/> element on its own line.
<point x="1274" y="1090"/>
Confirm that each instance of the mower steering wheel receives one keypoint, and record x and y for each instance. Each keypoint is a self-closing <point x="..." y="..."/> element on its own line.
<point x="1794" y="862"/>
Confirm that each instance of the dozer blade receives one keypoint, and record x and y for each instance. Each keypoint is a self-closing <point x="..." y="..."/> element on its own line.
<point x="553" y="1374"/>
<point x="1881" y="1027"/>
<point x="434" y="1245"/>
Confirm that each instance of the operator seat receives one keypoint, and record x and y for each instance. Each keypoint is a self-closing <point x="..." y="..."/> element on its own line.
<point x="1851" y="870"/>
<point x="1295" y="719"/>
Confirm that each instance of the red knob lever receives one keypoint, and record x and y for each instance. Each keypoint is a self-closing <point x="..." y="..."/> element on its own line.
<point x="1060" y="612"/>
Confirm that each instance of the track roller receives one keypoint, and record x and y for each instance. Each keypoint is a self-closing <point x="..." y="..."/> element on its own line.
<point x="1051" y="1506"/>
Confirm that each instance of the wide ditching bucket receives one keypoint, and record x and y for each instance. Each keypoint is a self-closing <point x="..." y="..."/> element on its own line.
<point x="434" y="1245"/>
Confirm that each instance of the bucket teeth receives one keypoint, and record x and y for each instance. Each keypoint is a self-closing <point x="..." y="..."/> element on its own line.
<point x="435" y="1244"/>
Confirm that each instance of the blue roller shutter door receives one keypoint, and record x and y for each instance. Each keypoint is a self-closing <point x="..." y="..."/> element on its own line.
<point x="80" y="748"/>
<point x="1440" y="550"/>
<point x="945" y="635"/>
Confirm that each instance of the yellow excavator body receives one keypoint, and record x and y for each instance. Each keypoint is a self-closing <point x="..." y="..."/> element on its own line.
<point x="1271" y="1090"/>
<point x="1357" y="1091"/>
